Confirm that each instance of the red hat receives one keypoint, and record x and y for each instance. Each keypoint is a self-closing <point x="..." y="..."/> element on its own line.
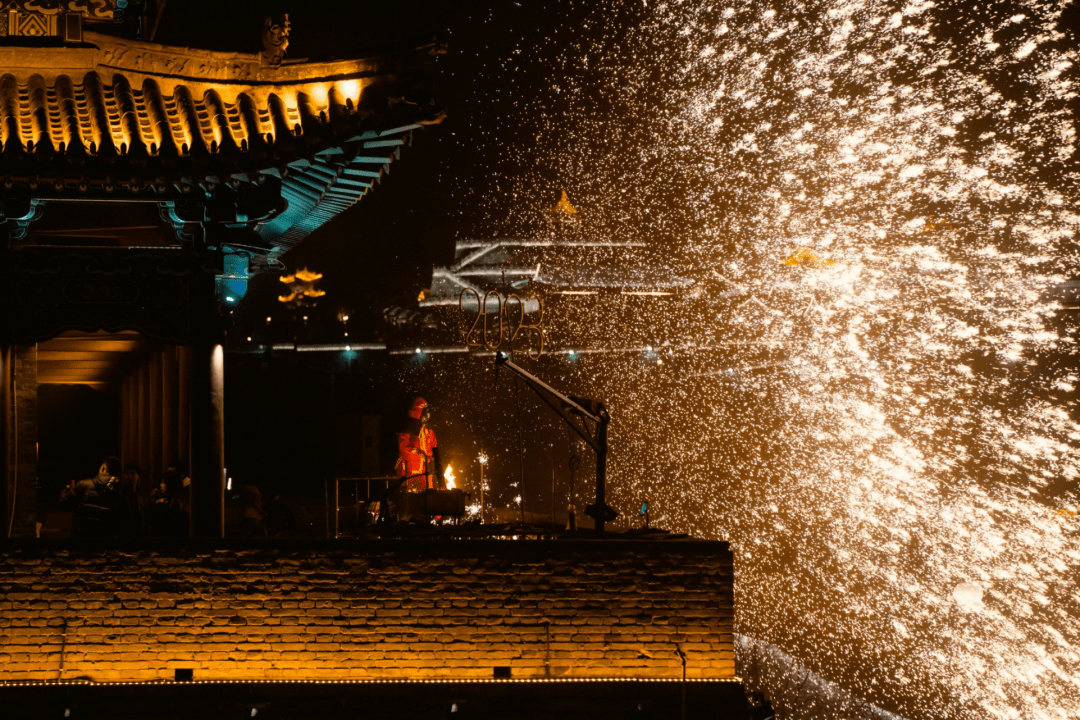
<point x="417" y="408"/>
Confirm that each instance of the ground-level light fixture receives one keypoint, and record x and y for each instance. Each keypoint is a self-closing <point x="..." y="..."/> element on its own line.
<point x="482" y="457"/>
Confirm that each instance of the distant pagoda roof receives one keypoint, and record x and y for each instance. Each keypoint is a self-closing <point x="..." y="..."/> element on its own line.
<point x="117" y="119"/>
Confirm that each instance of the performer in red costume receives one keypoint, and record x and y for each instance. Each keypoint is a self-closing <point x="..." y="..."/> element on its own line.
<point x="418" y="450"/>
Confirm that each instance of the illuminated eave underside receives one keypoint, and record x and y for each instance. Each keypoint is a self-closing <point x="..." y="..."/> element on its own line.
<point x="126" y="120"/>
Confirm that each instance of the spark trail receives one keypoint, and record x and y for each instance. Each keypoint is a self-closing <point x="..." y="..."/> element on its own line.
<point x="900" y="481"/>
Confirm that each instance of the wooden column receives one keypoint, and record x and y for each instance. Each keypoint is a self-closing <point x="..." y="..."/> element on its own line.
<point x="207" y="440"/>
<point x="135" y="404"/>
<point x="6" y="436"/>
<point x="169" y="417"/>
<point x="142" y="376"/>
<point x="25" y="367"/>
<point x="154" y="376"/>
<point x="183" y="402"/>
<point x="131" y="431"/>
<point x="125" y="457"/>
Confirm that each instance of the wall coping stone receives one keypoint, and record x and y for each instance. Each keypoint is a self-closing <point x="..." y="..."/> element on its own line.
<point x="364" y="546"/>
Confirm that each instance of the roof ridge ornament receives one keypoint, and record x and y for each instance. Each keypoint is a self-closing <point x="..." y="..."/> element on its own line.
<point x="563" y="211"/>
<point x="275" y="39"/>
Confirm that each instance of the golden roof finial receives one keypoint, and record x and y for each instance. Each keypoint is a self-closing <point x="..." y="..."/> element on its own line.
<point x="565" y="207"/>
<point x="563" y="211"/>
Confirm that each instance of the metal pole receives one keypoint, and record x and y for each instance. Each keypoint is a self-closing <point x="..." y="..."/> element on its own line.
<point x="577" y="416"/>
<point x="601" y="475"/>
<point x="521" y="452"/>
<point x="366" y="496"/>
<point x="208" y="440"/>
<point x="575" y="462"/>
<point x="682" y="656"/>
<point x="482" y="493"/>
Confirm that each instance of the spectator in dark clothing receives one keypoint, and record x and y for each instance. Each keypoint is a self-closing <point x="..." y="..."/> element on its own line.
<point x="181" y="467"/>
<point x="178" y="466"/>
<point x="97" y="502"/>
<point x="253" y="520"/>
<point x="135" y="507"/>
<point x="279" y="518"/>
<point x="158" y="492"/>
<point x="169" y="514"/>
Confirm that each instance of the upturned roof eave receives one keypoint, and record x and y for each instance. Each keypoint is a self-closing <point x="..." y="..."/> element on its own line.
<point x="107" y="54"/>
<point x="120" y="119"/>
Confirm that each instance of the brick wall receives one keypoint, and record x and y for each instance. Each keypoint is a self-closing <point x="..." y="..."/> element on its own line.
<point x="376" y="609"/>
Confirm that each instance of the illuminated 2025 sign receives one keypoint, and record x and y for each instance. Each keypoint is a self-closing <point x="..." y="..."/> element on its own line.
<point x="507" y="334"/>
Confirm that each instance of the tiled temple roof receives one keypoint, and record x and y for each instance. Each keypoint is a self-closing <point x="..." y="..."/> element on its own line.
<point x="121" y="118"/>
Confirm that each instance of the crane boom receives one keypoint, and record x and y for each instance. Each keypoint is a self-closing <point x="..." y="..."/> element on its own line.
<point x="588" y="418"/>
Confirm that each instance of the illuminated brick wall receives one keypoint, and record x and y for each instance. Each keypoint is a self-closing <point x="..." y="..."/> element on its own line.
<point x="391" y="609"/>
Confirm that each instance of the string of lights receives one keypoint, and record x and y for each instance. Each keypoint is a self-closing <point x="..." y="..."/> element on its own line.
<point x="363" y="681"/>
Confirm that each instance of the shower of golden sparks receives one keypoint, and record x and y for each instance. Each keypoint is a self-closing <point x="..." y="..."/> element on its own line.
<point x="890" y="441"/>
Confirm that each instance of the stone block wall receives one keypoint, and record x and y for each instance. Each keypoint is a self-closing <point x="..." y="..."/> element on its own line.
<point x="407" y="609"/>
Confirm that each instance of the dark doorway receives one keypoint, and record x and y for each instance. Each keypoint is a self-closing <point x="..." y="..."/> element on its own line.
<point x="78" y="426"/>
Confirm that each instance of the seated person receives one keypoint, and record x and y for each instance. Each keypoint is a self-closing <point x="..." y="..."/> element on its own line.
<point x="98" y="502"/>
<point x="169" y="515"/>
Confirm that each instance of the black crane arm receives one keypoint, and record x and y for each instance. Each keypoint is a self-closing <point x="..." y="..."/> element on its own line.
<point x="579" y="414"/>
